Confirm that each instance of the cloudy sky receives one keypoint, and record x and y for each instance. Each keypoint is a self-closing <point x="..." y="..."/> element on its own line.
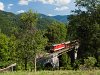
<point x="48" y="7"/>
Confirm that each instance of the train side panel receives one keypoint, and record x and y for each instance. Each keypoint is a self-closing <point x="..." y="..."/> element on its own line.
<point x="67" y="44"/>
<point x="58" y="47"/>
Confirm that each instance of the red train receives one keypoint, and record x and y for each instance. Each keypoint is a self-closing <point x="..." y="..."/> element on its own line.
<point x="57" y="47"/>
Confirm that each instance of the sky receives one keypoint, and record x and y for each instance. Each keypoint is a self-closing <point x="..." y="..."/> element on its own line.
<point x="47" y="7"/>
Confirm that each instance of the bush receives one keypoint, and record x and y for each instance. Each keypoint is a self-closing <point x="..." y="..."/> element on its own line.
<point x="98" y="58"/>
<point x="77" y="64"/>
<point x="66" y="62"/>
<point x="90" y="62"/>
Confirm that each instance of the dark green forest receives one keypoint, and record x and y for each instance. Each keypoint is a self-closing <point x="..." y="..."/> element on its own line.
<point x="24" y="36"/>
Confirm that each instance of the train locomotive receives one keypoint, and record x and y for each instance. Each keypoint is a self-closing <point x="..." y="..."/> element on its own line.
<point x="57" y="47"/>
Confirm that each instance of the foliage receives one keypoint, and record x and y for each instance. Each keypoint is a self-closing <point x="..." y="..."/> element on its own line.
<point x="98" y="58"/>
<point x="31" y="40"/>
<point x="28" y="19"/>
<point x="8" y="21"/>
<point x="77" y="64"/>
<point x="56" y="33"/>
<point x="90" y="62"/>
<point x="85" y="26"/>
<point x="4" y="49"/>
<point x="44" y="21"/>
<point x="66" y="61"/>
<point x="7" y="50"/>
<point x="90" y="5"/>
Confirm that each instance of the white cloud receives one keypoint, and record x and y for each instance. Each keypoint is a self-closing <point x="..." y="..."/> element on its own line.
<point x="1" y="6"/>
<point x="45" y="1"/>
<point x="24" y="2"/>
<point x="20" y="11"/>
<point x="50" y="15"/>
<point x="10" y="5"/>
<point x="55" y="2"/>
<point x="61" y="8"/>
<point x="61" y="4"/>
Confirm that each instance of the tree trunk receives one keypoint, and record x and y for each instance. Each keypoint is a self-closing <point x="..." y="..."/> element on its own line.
<point x="35" y="63"/>
<point x="25" y="63"/>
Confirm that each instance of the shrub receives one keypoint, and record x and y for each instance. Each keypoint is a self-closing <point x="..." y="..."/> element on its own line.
<point x="66" y="62"/>
<point x="77" y="64"/>
<point x="90" y="62"/>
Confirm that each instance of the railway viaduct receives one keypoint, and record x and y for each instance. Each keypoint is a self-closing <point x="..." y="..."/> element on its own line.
<point x="52" y="59"/>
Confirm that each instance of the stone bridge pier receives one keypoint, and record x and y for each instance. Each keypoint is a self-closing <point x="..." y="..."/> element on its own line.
<point x="48" y="62"/>
<point x="53" y="62"/>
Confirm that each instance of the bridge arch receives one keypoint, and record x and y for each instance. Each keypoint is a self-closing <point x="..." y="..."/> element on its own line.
<point x="48" y="66"/>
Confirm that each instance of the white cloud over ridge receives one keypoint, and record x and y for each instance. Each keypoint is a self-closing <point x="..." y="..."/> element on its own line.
<point x="1" y="6"/>
<point x="10" y="5"/>
<point x="61" y="8"/>
<point x="20" y="11"/>
<point x="50" y="15"/>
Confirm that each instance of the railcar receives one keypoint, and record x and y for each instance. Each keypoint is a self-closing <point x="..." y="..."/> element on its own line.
<point x="67" y="44"/>
<point x="57" y="47"/>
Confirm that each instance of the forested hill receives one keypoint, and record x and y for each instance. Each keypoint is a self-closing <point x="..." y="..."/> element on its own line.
<point x="9" y="22"/>
<point x="61" y="18"/>
<point x="44" y="21"/>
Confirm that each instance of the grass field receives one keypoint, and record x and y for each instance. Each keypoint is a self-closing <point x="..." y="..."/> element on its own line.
<point x="97" y="72"/>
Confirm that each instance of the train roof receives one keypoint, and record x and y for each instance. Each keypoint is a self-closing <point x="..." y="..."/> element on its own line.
<point x="57" y="44"/>
<point x="67" y="42"/>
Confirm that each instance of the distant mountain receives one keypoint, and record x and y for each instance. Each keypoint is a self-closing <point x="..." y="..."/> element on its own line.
<point x="44" y="21"/>
<point x="58" y="18"/>
<point x="61" y="18"/>
<point x="10" y="22"/>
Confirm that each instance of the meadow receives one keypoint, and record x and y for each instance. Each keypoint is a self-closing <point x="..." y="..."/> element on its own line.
<point x="66" y="72"/>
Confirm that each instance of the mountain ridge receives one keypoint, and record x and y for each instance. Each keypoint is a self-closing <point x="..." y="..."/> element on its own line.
<point x="10" y="21"/>
<point x="60" y="18"/>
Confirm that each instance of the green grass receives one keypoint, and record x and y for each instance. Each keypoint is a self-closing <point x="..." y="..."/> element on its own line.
<point x="67" y="72"/>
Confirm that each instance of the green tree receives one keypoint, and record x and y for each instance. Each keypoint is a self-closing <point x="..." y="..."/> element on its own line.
<point x="85" y="26"/>
<point x="66" y="61"/>
<point x="56" y="33"/>
<point x="13" y="44"/>
<point x="4" y="50"/>
<point x="90" y="62"/>
<point x="89" y="5"/>
<point x="7" y="50"/>
<point x="31" y="41"/>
